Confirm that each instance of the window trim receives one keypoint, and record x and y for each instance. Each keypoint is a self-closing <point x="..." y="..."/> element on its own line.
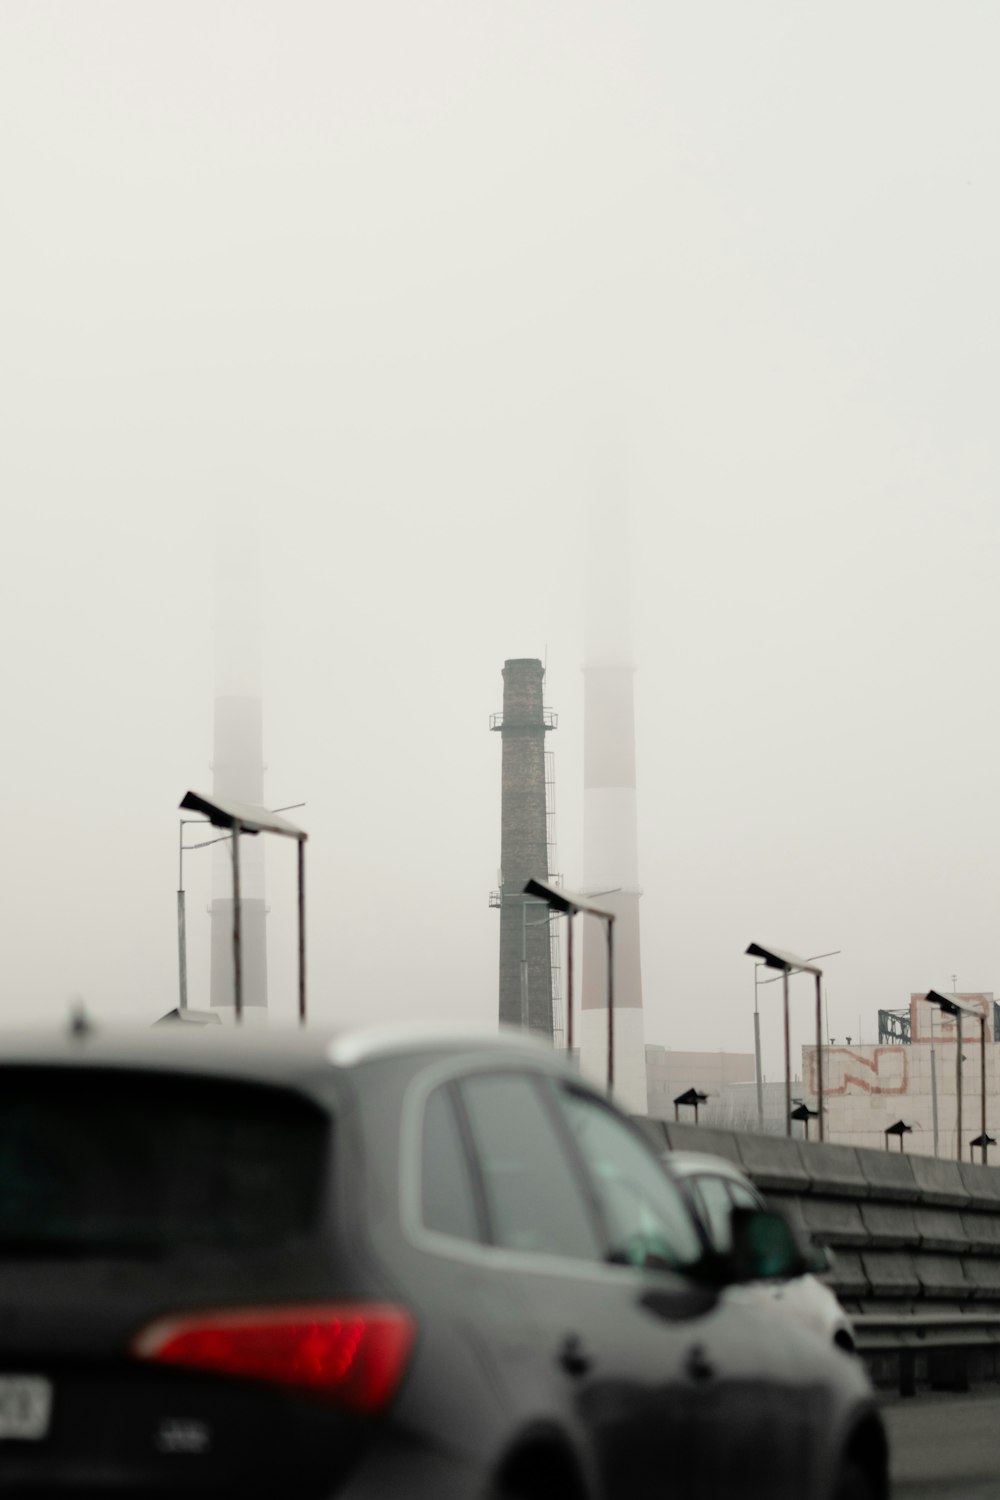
<point x="541" y="1085"/>
<point x="480" y="1210"/>
<point x="487" y="1255"/>
<point x="703" y="1212"/>
<point x="571" y="1086"/>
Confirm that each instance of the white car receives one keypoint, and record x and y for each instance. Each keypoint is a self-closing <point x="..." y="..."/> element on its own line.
<point x="715" y="1187"/>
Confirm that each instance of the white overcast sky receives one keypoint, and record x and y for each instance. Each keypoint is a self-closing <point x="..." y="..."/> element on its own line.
<point x="399" y="277"/>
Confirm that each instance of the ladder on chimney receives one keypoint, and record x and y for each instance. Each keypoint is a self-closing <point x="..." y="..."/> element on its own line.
<point x="555" y="947"/>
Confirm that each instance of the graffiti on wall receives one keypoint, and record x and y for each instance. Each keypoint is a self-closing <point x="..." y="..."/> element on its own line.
<point x="884" y="1071"/>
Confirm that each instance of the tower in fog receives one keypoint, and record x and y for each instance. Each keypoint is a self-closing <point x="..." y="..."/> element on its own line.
<point x="525" y="949"/>
<point x="610" y="830"/>
<point x="238" y="769"/>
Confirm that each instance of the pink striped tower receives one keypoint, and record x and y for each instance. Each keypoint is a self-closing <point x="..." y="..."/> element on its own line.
<point x="610" y="833"/>
<point x="238" y="766"/>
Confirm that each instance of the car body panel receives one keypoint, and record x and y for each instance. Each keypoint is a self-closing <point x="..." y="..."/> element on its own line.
<point x="804" y="1298"/>
<point x="624" y="1371"/>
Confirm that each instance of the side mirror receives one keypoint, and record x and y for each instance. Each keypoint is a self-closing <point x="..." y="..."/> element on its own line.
<point x="819" y="1260"/>
<point x="765" y="1247"/>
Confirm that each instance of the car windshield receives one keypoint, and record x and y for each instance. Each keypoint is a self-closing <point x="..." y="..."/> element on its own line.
<point x="96" y="1162"/>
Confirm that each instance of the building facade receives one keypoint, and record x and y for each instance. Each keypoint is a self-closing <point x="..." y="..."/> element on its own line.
<point x="913" y="1078"/>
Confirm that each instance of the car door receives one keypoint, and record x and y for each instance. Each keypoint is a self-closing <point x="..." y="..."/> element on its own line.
<point x="752" y="1416"/>
<point x="622" y="1342"/>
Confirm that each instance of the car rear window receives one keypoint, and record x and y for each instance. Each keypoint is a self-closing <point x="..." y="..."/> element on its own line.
<point x="100" y="1161"/>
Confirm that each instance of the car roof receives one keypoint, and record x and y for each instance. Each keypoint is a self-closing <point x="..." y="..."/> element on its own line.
<point x="703" y="1164"/>
<point x="272" y="1054"/>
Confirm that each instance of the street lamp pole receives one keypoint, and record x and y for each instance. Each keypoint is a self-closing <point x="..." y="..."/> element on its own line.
<point x="953" y="1006"/>
<point x="569" y="985"/>
<point x="239" y="818"/>
<point x="237" y="910"/>
<point x="788" y="963"/>
<point x="756" y="1050"/>
<point x="570" y="903"/>
<point x="611" y="1002"/>
<point x="788" y="1055"/>
<point x="934" y="1089"/>
<point x="819" y="1051"/>
<point x="982" y="1085"/>
<point x="182" y="961"/>
<point x="182" y="966"/>
<point x="301" y="903"/>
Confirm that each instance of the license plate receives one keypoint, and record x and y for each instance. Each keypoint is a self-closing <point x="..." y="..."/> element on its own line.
<point x="25" y="1407"/>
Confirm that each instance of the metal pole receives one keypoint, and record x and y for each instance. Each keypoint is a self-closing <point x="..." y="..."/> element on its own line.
<point x="758" y="1074"/>
<point x="788" y="1057"/>
<point x="569" y="983"/>
<point x="958" y="1084"/>
<point x="524" y="964"/>
<point x="819" y="1054"/>
<point x="182" y="963"/>
<point x="237" y="954"/>
<point x="760" y="1079"/>
<point x="934" y="1101"/>
<point x="901" y="1142"/>
<point x="611" y="1007"/>
<point x="982" y="1083"/>
<point x="302" y="932"/>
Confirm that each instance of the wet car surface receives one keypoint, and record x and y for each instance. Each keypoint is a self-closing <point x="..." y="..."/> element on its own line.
<point x="377" y="1263"/>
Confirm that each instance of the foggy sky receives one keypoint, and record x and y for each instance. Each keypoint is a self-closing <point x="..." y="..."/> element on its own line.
<point x="398" y="278"/>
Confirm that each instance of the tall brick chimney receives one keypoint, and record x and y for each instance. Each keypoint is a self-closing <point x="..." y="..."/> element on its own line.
<point x="525" y="958"/>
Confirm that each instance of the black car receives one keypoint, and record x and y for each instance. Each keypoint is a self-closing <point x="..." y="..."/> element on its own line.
<point x="381" y="1264"/>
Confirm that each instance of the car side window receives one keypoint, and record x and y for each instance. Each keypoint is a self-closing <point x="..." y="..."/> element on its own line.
<point x="648" y="1220"/>
<point x="448" y="1203"/>
<point x="534" y="1201"/>
<point x="744" y="1197"/>
<point x="712" y="1195"/>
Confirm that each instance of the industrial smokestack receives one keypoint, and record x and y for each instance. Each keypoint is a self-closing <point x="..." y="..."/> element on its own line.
<point x="525" y="950"/>
<point x="610" y="829"/>
<point x="238" y="769"/>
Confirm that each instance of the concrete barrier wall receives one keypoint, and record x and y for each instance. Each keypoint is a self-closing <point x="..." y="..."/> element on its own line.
<point x="915" y="1239"/>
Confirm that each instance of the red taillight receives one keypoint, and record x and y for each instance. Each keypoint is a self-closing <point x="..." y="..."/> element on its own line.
<point x="354" y="1353"/>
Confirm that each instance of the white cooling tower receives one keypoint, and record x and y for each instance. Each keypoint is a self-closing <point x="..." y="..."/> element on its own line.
<point x="610" y="829"/>
<point x="238" y="768"/>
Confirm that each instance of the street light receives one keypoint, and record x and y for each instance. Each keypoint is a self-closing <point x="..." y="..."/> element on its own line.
<point x="244" y="817"/>
<point x="571" y="902"/>
<point x="182" y="895"/>
<point x="900" y="1129"/>
<point x="803" y="1113"/>
<point x="981" y="1140"/>
<point x="758" y="1072"/>
<point x="692" y="1098"/>
<point x="788" y="963"/>
<point x="953" y="1006"/>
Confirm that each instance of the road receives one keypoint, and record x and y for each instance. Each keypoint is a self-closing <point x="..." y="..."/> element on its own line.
<point x="945" y="1447"/>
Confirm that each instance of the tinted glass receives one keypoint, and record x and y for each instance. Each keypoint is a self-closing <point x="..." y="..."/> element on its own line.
<point x="98" y="1162"/>
<point x="448" y="1204"/>
<point x="745" y="1197"/>
<point x="534" y="1201"/>
<point x="716" y="1206"/>
<point x="649" y="1222"/>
